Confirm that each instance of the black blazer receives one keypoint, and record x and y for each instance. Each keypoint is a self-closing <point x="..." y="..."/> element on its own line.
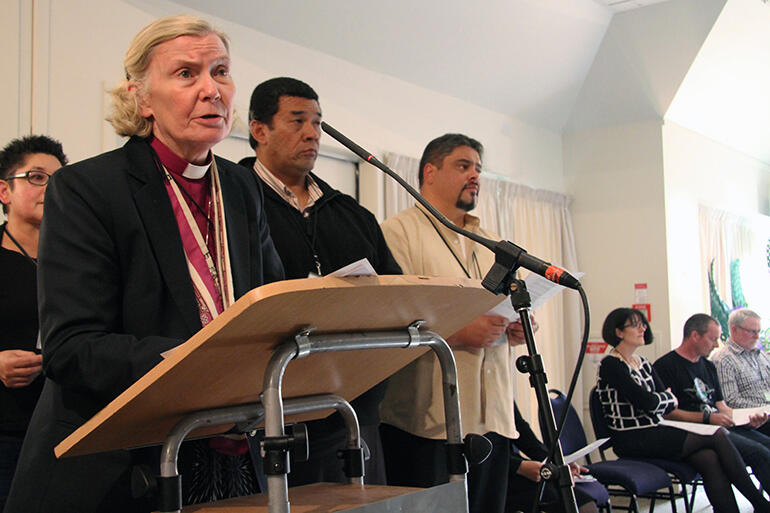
<point x="114" y="292"/>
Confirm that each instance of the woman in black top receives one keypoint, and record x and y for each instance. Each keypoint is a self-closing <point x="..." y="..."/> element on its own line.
<point x="25" y="165"/>
<point x="633" y="401"/>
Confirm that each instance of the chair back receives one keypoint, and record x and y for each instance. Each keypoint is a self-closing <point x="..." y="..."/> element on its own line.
<point x="599" y="423"/>
<point x="573" y="436"/>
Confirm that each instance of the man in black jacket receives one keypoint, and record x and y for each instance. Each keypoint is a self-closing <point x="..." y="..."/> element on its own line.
<point x="316" y="230"/>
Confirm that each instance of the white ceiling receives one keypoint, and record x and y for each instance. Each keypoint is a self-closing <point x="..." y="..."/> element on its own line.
<point x="526" y="58"/>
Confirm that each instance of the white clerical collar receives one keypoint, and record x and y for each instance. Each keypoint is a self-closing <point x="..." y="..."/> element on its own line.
<point x="195" y="172"/>
<point x="177" y="165"/>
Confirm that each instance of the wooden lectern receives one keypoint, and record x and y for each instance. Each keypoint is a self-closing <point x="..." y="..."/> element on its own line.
<point x="235" y="372"/>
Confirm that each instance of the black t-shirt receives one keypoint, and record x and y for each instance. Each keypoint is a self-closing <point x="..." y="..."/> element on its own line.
<point x="695" y="384"/>
<point x="18" y="330"/>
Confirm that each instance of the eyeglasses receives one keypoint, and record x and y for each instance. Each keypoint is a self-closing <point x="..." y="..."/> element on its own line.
<point x="638" y="325"/>
<point x="752" y="332"/>
<point x="33" y="176"/>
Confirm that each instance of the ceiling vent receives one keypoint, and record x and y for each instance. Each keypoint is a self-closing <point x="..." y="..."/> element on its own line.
<point x="627" y="5"/>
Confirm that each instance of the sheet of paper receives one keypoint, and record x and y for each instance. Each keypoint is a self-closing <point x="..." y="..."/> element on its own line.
<point x="692" y="427"/>
<point x="741" y="415"/>
<point x="359" y="268"/>
<point x="569" y="458"/>
<point x="166" y="354"/>
<point x="540" y="290"/>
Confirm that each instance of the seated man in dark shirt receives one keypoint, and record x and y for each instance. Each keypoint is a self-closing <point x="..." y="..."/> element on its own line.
<point x="316" y="229"/>
<point x="694" y="381"/>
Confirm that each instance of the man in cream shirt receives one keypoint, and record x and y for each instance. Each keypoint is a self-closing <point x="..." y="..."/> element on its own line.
<point x="412" y="412"/>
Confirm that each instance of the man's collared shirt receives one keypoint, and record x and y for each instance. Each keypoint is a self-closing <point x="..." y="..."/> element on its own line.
<point x="414" y="400"/>
<point x="744" y="375"/>
<point x="313" y="190"/>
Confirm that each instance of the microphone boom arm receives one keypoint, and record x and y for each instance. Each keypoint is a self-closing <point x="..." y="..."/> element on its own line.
<point x="508" y="256"/>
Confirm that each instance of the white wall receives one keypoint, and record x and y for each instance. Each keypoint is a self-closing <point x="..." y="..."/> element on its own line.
<point x="701" y="171"/>
<point x="724" y="94"/>
<point x="614" y="165"/>
<point x="615" y="175"/>
<point x="17" y="64"/>
<point x="636" y="189"/>
<point x="87" y="39"/>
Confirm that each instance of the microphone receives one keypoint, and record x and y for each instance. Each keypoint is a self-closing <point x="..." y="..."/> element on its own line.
<point x="508" y="256"/>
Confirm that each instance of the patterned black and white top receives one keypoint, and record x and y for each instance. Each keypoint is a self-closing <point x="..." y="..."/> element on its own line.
<point x="631" y="398"/>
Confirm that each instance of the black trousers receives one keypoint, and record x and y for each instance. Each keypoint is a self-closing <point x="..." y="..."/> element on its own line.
<point x="521" y="495"/>
<point x="414" y="461"/>
<point x="764" y="428"/>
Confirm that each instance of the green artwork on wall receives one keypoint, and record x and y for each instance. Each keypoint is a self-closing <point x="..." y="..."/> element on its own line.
<point x="736" y="289"/>
<point x="719" y="308"/>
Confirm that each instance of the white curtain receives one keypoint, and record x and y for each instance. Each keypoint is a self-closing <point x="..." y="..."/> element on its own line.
<point x="540" y="222"/>
<point x="725" y="236"/>
<point x="396" y="197"/>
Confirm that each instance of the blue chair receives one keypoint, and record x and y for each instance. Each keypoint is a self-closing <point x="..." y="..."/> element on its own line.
<point x="598" y="492"/>
<point x="622" y="477"/>
<point x="680" y="472"/>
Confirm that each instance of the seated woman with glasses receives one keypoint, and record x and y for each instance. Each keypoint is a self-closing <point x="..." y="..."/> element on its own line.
<point x="633" y="402"/>
<point x="25" y="166"/>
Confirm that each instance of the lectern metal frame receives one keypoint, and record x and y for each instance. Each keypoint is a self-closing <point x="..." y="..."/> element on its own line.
<point x="273" y="406"/>
<point x="245" y="417"/>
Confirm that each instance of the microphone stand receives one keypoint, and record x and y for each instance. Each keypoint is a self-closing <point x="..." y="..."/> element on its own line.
<point x="554" y="469"/>
<point x="501" y="279"/>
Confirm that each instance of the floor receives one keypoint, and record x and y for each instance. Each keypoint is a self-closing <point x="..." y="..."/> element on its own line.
<point x="702" y="504"/>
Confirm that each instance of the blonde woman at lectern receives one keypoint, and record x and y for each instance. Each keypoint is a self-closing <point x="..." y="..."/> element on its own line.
<point x="140" y="247"/>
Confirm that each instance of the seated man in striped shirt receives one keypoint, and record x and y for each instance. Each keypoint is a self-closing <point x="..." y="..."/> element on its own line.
<point x="743" y="368"/>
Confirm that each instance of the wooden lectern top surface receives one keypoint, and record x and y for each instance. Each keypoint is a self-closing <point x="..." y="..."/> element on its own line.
<point x="224" y="363"/>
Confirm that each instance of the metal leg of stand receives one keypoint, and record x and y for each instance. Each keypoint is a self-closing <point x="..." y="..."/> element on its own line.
<point x="248" y="414"/>
<point x="334" y="402"/>
<point x="533" y="364"/>
<point x="277" y="462"/>
<point x="398" y="339"/>
<point x="304" y="345"/>
<point x="458" y="467"/>
<point x="354" y="455"/>
<point x="169" y="483"/>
